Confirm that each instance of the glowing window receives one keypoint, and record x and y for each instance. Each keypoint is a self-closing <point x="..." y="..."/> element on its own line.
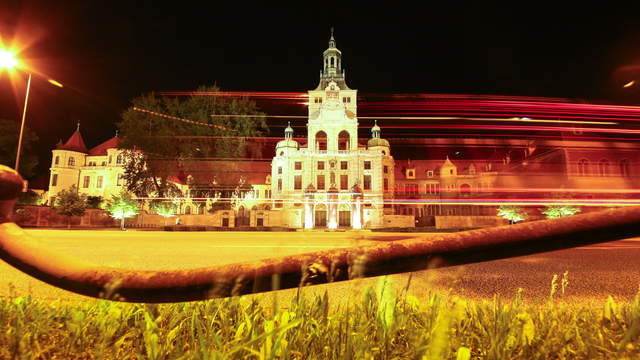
<point x="343" y="140"/>
<point x="297" y="182"/>
<point x="583" y="167"/>
<point x="603" y="167"/>
<point x="321" y="140"/>
<point x="624" y="168"/>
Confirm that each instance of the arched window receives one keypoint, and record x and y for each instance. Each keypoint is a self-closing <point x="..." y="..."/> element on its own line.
<point x="187" y="210"/>
<point x="603" y="167"/>
<point x="72" y="161"/>
<point x="57" y="161"/>
<point x="321" y="141"/>
<point x="583" y="167"/>
<point x="343" y="140"/>
<point x="624" y="168"/>
<point x="465" y="190"/>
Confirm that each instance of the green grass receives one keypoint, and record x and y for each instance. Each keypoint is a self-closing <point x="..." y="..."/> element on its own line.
<point x="378" y="325"/>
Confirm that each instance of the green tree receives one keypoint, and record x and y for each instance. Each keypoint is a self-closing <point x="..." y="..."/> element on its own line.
<point x="121" y="206"/>
<point x="9" y="133"/>
<point x="70" y="203"/>
<point x="558" y="211"/>
<point x="512" y="213"/>
<point x="30" y="197"/>
<point x="163" y="133"/>
<point x="94" y="202"/>
<point x="165" y="209"/>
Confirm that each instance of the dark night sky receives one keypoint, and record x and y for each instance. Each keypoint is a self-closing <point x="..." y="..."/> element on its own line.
<point x="108" y="52"/>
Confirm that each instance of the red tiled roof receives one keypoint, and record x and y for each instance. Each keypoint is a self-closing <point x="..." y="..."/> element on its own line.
<point x="75" y="143"/>
<point x="102" y="148"/>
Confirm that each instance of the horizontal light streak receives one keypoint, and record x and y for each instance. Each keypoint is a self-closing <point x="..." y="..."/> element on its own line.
<point x="432" y="118"/>
<point x="180" y="119"/>
<point x="255" y="94"/>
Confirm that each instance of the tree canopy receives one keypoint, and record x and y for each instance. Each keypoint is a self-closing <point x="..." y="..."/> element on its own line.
<point x="9" y="133"/>
<point x="558" y="211"/>
<point x="162" y="133"/>
<point x="512" y="213"/>
<point x="121" y="206"/>
<point x="70" y="203"/>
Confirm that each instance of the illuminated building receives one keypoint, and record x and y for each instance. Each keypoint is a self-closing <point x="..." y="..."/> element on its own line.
<point x="332" y="181"/>
<point x="331" y="178"/>
<point x="95" y="172"/>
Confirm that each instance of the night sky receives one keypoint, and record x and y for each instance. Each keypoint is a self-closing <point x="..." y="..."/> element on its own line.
<point x="109" y="52"/>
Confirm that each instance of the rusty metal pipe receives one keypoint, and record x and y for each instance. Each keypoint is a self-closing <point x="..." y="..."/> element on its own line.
<point x="32" y="257"/>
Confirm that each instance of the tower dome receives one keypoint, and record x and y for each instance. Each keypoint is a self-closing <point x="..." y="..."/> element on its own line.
<point x="288" y="141"/>
<point x="375" y="137"/>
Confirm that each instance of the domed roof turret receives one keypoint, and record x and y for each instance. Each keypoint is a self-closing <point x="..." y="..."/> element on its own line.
<point x="375" y="137"/>
<point x="288" y="141"/>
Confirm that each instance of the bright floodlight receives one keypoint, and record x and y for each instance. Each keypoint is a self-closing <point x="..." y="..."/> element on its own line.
<point x="7" y="60"/>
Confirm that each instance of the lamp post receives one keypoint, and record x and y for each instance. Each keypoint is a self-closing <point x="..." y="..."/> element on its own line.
<point x="8" y="61"/>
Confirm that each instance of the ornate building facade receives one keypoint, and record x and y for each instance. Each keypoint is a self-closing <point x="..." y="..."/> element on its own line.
<point x="332" y="181"/>
<point x="96" y="172"/>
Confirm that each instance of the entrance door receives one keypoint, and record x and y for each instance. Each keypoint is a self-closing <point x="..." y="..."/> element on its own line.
<point x="344" y="218"/>
<point x="321" y="216"/>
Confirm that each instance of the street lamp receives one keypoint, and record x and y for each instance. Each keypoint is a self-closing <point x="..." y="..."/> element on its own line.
<point x="8" y="61"/>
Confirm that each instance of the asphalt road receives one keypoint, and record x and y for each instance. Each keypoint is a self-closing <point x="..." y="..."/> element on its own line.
<point x="594" y="272"/>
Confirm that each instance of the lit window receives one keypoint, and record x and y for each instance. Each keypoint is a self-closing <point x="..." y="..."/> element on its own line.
<point x="297" y="182"/>
<point x="320" y="165"/>
<point x="603" y="167"/>
<point x="99" y="182"/>
<point x="344" y="182"/>
<point x="624" y="168"/>
<point x="279" y="170"/>
<point x="367" y="182"/>
<point x="86" y="182"/>
<point x="320" y="182"/>
<point x="583" y="167"/>
<point x="279" y="184"/>
<point x="298" y="165"/>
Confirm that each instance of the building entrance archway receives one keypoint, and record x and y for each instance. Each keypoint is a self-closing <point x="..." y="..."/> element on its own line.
<point x="320" y="216"/>
<point x="344" y="216"/>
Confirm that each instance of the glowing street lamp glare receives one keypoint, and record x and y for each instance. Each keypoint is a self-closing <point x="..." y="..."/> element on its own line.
<point x="7" y="60"/>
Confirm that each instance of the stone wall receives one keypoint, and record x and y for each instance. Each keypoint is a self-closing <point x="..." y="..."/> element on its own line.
<point x="464" y="222"/>
<point x="399" y="221"/>
<point x="45" y="216"/>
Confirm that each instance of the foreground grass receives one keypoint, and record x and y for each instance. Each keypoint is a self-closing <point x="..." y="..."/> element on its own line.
<point x="379" y="325"/>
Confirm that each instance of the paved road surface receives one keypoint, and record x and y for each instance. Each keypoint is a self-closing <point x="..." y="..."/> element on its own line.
<point x="594" y="272"/>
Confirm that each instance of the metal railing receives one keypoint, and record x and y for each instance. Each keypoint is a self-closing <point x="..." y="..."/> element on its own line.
<point x="32" y="257"/>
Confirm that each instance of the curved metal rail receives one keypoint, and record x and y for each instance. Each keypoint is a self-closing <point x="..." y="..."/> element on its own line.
<point x="32" y="257"/>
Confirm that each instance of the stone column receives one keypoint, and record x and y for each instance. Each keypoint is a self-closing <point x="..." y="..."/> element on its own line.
<point x="332" y="222"/>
